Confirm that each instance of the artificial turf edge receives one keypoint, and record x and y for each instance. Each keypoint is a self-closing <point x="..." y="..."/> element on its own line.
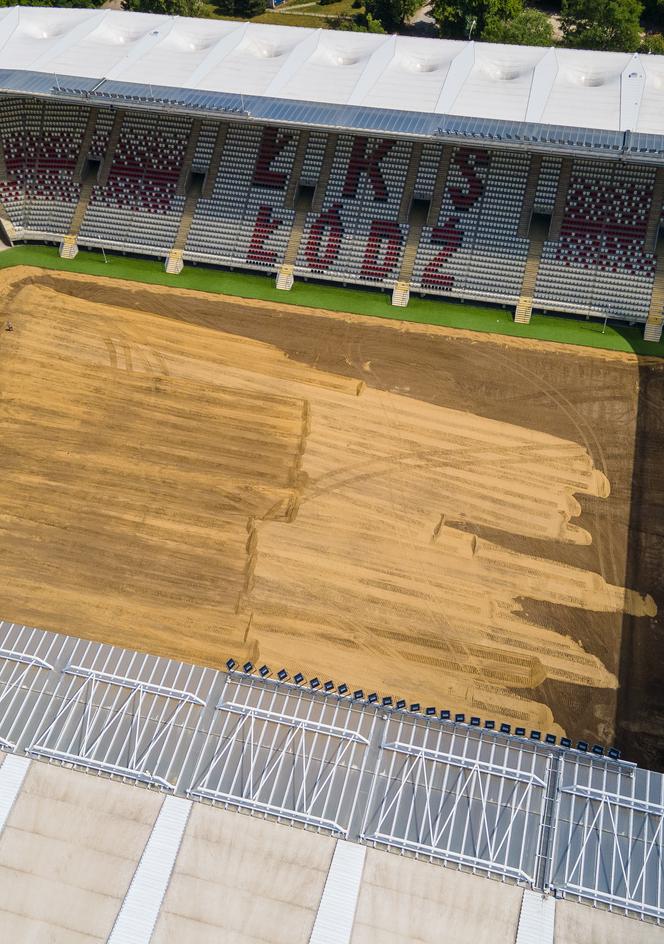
<point x="431" y="311"/>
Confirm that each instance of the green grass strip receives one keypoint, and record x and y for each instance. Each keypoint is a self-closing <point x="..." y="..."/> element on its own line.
<point x="336" y="298"/>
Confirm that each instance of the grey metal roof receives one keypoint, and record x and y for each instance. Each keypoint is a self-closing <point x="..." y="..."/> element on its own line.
<point x="548" y="818"/>
<point x="329" y="116"/>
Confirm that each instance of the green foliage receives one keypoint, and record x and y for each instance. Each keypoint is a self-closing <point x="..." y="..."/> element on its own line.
<point x="246" y="9"/>
<point x="360" y="23"/>
<point x="392" y="13"/>
<point x="602" y="24"/>
<point x="51" y="3"/>
<point x="528" y="28"/>
<point x="461" y="18"/>
<point x="166" y="7"/>
<point x="653" y="43"/>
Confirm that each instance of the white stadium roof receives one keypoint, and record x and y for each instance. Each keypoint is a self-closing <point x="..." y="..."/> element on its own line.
<point x="114" y="52"/>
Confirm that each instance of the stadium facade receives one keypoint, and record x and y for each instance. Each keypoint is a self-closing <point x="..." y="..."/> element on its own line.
<point x="530" y="178"/>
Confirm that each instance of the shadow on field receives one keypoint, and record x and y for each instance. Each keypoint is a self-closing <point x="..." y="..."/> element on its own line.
<point x="640" y="715"/>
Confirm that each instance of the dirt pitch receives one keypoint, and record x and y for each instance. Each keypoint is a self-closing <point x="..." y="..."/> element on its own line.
<point x="436" y="515"/>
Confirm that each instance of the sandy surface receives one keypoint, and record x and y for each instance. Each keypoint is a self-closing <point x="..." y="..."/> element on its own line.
<point x="428" y="513"/>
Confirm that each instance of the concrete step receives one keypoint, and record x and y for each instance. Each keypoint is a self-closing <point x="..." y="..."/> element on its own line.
<point x="401" y="294"/>
<point x="295" y="238"/>
<point x="653" y="327"/>
<point x="68" y="247"/>
<point x="174" y="262"/>
<point x="524" y="308"/>
<point x="83" y="200"/>
<point x="285" y="278"/>
<point x="655" y="214"/>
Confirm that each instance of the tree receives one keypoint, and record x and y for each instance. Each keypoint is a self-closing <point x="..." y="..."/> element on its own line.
<point x="360" y="23"/>
<point x="166" y="7"/>
<point x="392" y="14"/>
<point x="468" y="18"/>
<point x="528" y="28"/>
<point x="653" y="43"/>
<point x="602" y="24"/>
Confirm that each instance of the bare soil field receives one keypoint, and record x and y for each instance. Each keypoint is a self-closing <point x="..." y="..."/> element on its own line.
<point x="432" y="514"/>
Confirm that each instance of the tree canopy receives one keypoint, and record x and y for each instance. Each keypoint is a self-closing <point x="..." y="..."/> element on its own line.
<point x="392" y="13"/>
<point x="528" y="28"/>
<point x="468" y="18"/>
<point x="602" y="24"/>
<point x="166" y="7"/>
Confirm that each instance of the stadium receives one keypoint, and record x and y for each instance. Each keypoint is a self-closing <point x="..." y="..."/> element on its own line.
<point x="301" y="604"/>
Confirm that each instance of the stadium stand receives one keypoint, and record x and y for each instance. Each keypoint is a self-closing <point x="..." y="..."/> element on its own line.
<point x="532" y="210"/>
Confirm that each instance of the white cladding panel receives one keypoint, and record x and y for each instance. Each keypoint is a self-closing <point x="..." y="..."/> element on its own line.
<point x="584" y="89"/>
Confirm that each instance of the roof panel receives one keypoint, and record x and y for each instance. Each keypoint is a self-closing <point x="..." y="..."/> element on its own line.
<point x="393" y="77"/>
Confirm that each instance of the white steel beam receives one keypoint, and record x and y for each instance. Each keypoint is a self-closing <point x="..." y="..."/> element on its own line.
<point x="25" y="658"/>
<point x="536" y="918"/>
<point x="541" y="84"/>
<point x="459" y="70"/>
<point x="296" y="58"/>
<point x="443" y="757"/>
<point x="12" y="775"/>
<point x="138" y="914"/>
<point x="293" y="721"/>
<point x="617" y="799"/>
<point x="336" y="910"/>
<point x="376" y="64"/>
<point x="632" y="87"/>
<point x="124" y="682"/>
<point x="9" y="23"/>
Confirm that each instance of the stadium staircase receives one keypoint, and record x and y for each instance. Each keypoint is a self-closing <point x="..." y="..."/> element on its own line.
<point x="326" y="167"/>
<point x="285" y="277"/>
<point x="538" y="234"/>
<point x="439" y="185"/>
<point x="529" y="195"/>
<point x="113" y="140"/>
<point x="401" y="291"/>
<point x="561" y="198"/>
<point x="69" y="245"/>
<point x="296" y="170"/>
<point x="655" y="215"/>
<point x="7" y="230"/>
<point x="3" y="163"/>
<point x="410" y="182"/>
<point x="653" y="327"/>
<point x="192" y="144"/>
<point x="174" y="260"/>
<point x="84" y="152"/>
<point x="215" y="161"/>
